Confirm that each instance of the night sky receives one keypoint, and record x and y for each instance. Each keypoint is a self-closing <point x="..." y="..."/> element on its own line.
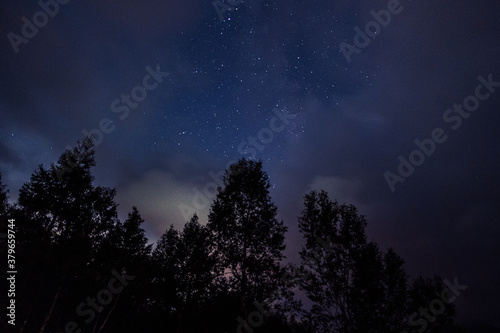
<point x="287" y="82"/>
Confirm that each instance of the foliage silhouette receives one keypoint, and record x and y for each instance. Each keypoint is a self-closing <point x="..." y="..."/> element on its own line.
<point x="227" y="276"/>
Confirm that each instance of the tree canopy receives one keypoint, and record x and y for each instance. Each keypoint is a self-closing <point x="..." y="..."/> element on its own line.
<point x="85" y="270"/>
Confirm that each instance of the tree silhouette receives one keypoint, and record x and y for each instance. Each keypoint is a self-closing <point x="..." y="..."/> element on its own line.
<point x="395" y="281"/>
<point x="195" y="274"/>
<point x="248" y="238"/>
<point x="73" y="218"/>
<point x="70" y="208"/>
<point x="184" y="276"/>
<point x="424" y="315"/>
<point x="331" y="267"/>
<point x="128" y="241"/>
<point x="134" y="242"/>
<point x="379" y="294"/>
<point x="356" y="287"/>
<point x="228" y="275"/>
<point x="165" y="301"/>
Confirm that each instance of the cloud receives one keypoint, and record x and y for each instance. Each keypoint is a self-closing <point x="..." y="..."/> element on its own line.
<point x="157" y="194"/>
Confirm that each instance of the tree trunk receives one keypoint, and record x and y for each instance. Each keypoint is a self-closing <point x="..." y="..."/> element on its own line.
<point x="96" y="322"/>
<point x="109" y="313"/>
<point x="46" y="320"/>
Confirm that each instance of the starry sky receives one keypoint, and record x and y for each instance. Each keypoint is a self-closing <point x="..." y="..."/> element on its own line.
<point x="325" y="96"/>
